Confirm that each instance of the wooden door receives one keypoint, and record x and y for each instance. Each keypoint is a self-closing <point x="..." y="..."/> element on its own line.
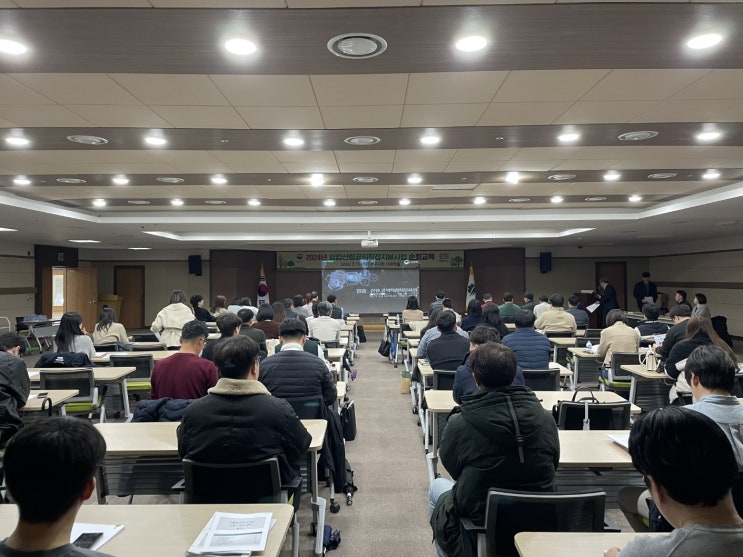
<point x="81" y="294"/>
<point x="129" y="284"/>
<point x="616" y="272"/>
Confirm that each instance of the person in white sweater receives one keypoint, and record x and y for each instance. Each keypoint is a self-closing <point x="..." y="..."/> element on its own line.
<point x="169" y="322"/>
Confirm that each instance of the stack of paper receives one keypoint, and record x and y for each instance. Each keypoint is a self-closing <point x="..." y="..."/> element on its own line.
<point x="232" y="534"/>
<point x="622" y="439"/>
<point x="107" y="532"/>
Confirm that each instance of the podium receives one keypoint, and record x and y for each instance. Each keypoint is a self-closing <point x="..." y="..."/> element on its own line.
<point x="595" y="317"/>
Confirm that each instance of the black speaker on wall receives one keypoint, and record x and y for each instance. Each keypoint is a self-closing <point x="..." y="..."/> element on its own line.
<point x="194" y="265"/>
<point x="545" y="261"/>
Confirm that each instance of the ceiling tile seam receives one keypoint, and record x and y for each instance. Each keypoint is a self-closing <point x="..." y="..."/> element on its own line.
<point x="128" y="91"/>
<point x="596" y="84"/>
<point x="317" y="102"/>
<point x="701" y="77"/>
<point x="111" y="77"/>
<point x="229" y="103"/>
<point x="553" y="122"/>
<point x="20" y="83"/>
<point x="497" y="89"/>
<point x="404" y="100"/>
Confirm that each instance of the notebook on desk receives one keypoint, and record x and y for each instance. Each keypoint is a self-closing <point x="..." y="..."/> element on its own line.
<point x="622" y="439"/>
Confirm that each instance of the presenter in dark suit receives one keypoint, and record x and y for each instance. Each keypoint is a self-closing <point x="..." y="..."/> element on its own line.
<point x="607" y="299"/>
<point x="645" y="289"/>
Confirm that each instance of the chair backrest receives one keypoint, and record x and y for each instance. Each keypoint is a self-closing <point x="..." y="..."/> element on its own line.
<point x="542" y="379"/>
<point x="593" y="333"/>
<point x="43" y="331"/>
<point x="308" y="407"/>
<point x="81" y="379"/>
<point x="331" y="344"/>
<point x="619" y="359"/>
<point x="145" y="337"/>
<point x="558" y="334"/>
<point x="144" y="364"/>
<point x="111" y="347"/>
<point x="581" y="342"/>
<point x="248" y="482"/>
<point x="443" y="380"/>
<point x="509" y="512"/>
<point x="602" y="415"/>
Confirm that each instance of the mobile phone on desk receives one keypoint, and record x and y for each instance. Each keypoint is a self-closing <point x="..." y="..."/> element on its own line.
<point x="87" y="540"/>
<point x="42" y="395"/>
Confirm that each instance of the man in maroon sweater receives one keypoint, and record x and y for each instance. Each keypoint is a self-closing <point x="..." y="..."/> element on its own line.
<point x="184" y="374"/>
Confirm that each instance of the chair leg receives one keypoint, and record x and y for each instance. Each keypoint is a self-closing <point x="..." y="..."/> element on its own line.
<point x="295" y="537"/>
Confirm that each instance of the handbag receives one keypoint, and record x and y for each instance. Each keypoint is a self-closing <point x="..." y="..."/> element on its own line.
<point x="384" y="348"/>
<point x="587" y="399"/>
<point x="348" y="420"/>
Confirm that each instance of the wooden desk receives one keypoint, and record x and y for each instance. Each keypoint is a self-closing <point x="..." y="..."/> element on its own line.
<point x="57" y="396"/>
<point x="412" y="334"/>
<point x="160" y="530"/>
<point x="336" y="354"/>
<point x="148" y="346"/>
<point x="580" y="354"/>
<point x="575" y="544"/>
<point x="649" y="385"/>
<point x="104" y="359"/>
<point x="560" y="342"/>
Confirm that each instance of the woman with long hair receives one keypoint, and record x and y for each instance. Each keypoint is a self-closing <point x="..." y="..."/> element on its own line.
<point x="72" y="337"/>
<point x="491" y="317"/>
<point x="412" y="311"/>
<point x="108" y="331"/>
<point x="279" y="312"/>
<point x="474" y="315"/>
<point x="199" y="311"/>
<point x="170" y="320"/>
<point x="220" y="306"/>
<point x="264" y="321"/>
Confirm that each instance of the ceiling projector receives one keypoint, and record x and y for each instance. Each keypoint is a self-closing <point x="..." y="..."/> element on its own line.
<point x="369" y="243"/>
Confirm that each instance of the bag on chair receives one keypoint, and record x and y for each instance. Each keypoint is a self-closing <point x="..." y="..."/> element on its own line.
<point x="384" y="348"/>
<point x="348" y="420"/>
<point x="361" y="334"/>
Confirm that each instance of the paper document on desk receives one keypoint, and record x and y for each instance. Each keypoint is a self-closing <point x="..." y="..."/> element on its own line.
<point x="593" y="307"/>
<point x="33" y="374"/>
<point x="648" y="300"/>
<point x="32" y="396"/>
<point x="107" y="531"/>
<point x="233" y="534"/>
<point x="622" y="439"/>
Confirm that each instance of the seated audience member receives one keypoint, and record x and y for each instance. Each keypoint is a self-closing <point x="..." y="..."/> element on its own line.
<point x="580" y="315"/>
<point x="264" y="321"/>
<point x="533" y="350"/>
<point x="412" y="311"/>
<point x="242" y="303"/>
<point x="279" y="314"/>
<point x="616" y="337"/>
<point x="170" y="320"/>
<point x="247" y="329"/>
<point x="338" y="312"/>
<point x="689" y="468"/>
<point x="701" y="309"/>
<point x="199" y="311"/>
<point x="542" y="307"/>
<point x="491" y="318"/>
<point x="651" y="325"/>
<point x="464" y="382"/>
<point x="447" y="350"/>
<point x="239" y="420"/>
<point x="229" y="325"/>
<point x="508" y="309"/>
<point x="292" y="372"/>
<point x="300" y="308"/>
<point x="438" y="301"/>
<point x="72" y="337"/>
<point x="680" y="315"/>
<point x="680" y="298"/>
<point x="15" y="385"/>
<point x="184" y="374"/>
<point x="487" y="298"/>
<point x="448" y="304"/>
<point x="323" y="327"/>
<point x="556" y="319"/>
<point x="528" y="301"/>
<point x="480" y="451"/>
<point x="474" y="315"/>
<point x="220" y="306"/>
<point x="50" y="469"/>
<point x="108" y="331"/>
<point x="431" y="331"/>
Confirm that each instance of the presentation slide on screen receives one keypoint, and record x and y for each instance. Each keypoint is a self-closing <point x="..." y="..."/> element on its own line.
<point x="371" y="290"/>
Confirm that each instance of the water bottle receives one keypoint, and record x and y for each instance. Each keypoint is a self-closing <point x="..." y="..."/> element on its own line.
<point x="589" y="346"/>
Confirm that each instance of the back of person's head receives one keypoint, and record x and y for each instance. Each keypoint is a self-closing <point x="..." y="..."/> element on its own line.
<point x="69" y="328"/>
<point x="573" y="300"/>
<point x="440" y="294"/>
<point x="331" y="298"/>
<point x="529" y="296"/>
<point x="524" y="318"/>
<point x="279" y="311"/>
<point x="685" y="452"/>
<point x="219" y="302"/>
<point x="701" y="298"/>
<point x="645" y="275"/>
<point x="543" y="298"/>
<point x="108" y="317"/>
<point x="681" y="293"/>
<point x="265" y="313"/>
<point x="193" y="331"/>
<point x="227" y="324"/>
<point x="446" y="322"/>
<point x="651" y="312"/>
<point x="491" y="315"/>
<point x="177" y="297"/>
<point x="702" y="327"/>
<point x="8" y="341"/>
<point x="235" y="355"/>
<point x="412" y="303"/>
<point x="313" y="295"/>
<point x="482" y="334"/>
<point x="246" y="301"/>
<point x="195" y="299"/>
<point x="493" y="365"/>
<point x="474" y="308"/>
<point x="508" y="297"/>
<point x="292" y="328"/>
<point x="603" y="280"/>
<point x="487" y="296"/>
<point x="324" y="309"/>
<point x="298" y="301"/>
<point x="246" y="314"/>
<point x="288" y="303"/>
<point x="680" y="311"/>
<point x="613" y="316"/>
<point x="713" y="366"/>
<point x="447" y="303"/>
<point x="433" y="317"/>
<point x="557" y="301"/>
<point x="49" y="464"/>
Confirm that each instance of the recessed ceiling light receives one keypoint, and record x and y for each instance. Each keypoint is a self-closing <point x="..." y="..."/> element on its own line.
<point x="317" y="180"/>
<point x="99" y="202"/>
<point x="357" y="45"/>
<point x="561" y="177"/>
<point x="556" y="199"/>
<point x="641" y="135"/>
<point x="662" y="175"/>
<point x="155" y="140"/>
<point x="12" y="47"/>
<point x="120" y="180"/>
<point x="708" y="136"/>
<point x="87" y="139"/>
<point x="138" y="249"/>
<point x="568" y="137"/>
<point x="85" y="241"/>
<point x="329" y="203"/>
<point x="16" y="141"/>
<point x="176" y="202"/>
<point x="430" y="139"/>
<point x="513" y="177"/>
<point x="170" y="180"/>
<point x="707" y="40"/>
<point x="365" y="179"/>
<point x="21" y="181"/>
<point x="253" y="202"/>
<point x="711" y="175"/>
<point x="219" y="180"/>
<point x="215" y="202"/>
<point x="519" y="200"/>
<point x="138" y="202"/>
<point x="612" y="176"/>
<point x="293" y="142"/>
<point x="71" y="181"/>
<point x="362" y="140"/>
<point x="415" y="179"/>
<point x="635" y="198"/>
<point x="479" y="200"/>
<point x="367" y="202"/>
<point x="404" y="201"/>
<point x="8" y="229"/>
<point x="595" y="198"/>
<point x="473" y="43"/>
<point x="241" y="47"/>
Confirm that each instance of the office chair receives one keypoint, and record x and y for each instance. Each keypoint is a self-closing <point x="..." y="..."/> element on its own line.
<point x="600" y="415"/>
<point x="619" y="380"/>
<point x="88" y="400"/>
<point x="138" y="380"/>
<point x="443" y="379"/>
<point x="542" y="379"/>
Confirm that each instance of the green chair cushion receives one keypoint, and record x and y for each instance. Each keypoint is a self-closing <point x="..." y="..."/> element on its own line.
<point x="138" y="385"/>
